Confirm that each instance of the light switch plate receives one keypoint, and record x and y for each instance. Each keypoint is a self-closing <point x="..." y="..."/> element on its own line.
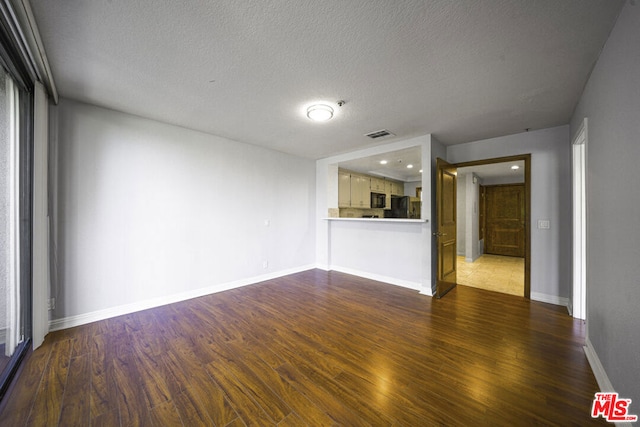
<point x="544" y="224"/>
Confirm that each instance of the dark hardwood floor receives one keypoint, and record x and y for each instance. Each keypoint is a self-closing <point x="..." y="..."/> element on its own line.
<point x="314" y="348"/>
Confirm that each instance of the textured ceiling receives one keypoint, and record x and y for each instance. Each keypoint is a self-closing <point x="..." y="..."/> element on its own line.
<point x="245" y="69"/>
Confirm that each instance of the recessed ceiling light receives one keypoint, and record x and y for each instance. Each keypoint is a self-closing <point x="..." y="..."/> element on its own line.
<point x="320" y="112"/>
<point x="420" y="170"/>
<point x="409" y="166"/>
<point x="515" y="167"/>
<point x="383" y="162"/>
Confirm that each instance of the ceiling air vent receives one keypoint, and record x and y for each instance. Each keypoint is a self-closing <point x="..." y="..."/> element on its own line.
<point x="380" y="134"/>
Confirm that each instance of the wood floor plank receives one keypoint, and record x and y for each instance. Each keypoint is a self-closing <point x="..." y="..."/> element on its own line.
<point x="190" y="409"/>
<point x="187" y="369"/>
<point x="48" y="401"/>
<point x="250" y="411"/>
<point x="155" y="380"/>
<point x="298" y="403"/>
<point x="132" y="405"/>
<point x="20" y="402"/>
<point x="315" y="348"/>
<point x="103" y="393"/>
<point x="213" y="400"/>
<point x="261" y="393"/>
<point x="329" y="403"/>
<point x="166" y="414"/>
<point x="76" y="406"/>
<point x="293" y="420"/>
<point x="106" y="419"/>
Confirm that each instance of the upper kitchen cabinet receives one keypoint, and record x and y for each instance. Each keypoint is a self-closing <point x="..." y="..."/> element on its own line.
<point x="360" y="191"/>
<point x="344" y="189"/>
<point x="397" y="188"/>
<point x="377" y="185"/>
<point x="354" y="190"/>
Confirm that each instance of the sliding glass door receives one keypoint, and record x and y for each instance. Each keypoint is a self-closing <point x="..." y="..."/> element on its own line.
<point x="15" y="226"/>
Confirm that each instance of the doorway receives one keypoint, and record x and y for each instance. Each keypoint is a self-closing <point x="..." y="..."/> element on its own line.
<point x="494" y="250"/>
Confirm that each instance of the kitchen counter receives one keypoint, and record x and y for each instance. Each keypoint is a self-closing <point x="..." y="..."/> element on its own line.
<point x="395" y="220"/>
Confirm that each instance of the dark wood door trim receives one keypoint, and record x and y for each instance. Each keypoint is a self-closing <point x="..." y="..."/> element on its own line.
<point x="527" y="225"/>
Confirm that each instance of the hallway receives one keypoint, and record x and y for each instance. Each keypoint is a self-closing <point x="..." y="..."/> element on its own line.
<point x="493" y="273"/>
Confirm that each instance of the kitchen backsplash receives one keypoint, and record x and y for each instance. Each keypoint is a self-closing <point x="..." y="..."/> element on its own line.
<point x="359" y="213"/>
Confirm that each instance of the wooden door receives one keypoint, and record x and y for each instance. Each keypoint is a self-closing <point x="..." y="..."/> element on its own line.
<point x="505" y="220"/>
<point x="446" y="231"/>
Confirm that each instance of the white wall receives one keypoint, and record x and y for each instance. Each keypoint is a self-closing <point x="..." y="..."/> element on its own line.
<point x="461" y="215"/>
<point x="411" y="187"/>
<point x="472" y="218"/>
<point x="150" y="212"/>
<point x="467" y="218"/>
<point x="611" y="102"/>
<point x="381" y="250"/>
<point x="550" y="199"/>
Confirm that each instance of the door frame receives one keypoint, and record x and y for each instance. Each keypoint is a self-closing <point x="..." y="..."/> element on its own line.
<point x="527" y="207"/>
<point x="579" y="159"/>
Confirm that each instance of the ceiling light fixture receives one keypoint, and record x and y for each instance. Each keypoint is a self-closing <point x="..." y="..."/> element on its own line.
<point x="383" y="162"/>
<point x="320" y="112"/>
<point x="515" y="167"/>
<point x="409" y="166"/>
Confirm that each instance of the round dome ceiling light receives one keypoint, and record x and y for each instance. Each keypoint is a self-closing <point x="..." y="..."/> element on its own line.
<point x="319" y="112"/>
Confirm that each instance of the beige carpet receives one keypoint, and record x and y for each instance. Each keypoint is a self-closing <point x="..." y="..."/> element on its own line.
<point x="494" y="273"/>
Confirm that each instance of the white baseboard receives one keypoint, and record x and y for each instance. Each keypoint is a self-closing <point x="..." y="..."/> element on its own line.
<point x="94" y="316"/>
<point x="550" y="299"/>
<point x="570" y="308"/>
<point x="598" y="371"/>
<point x="424" y="289"/>
<point x="427" y="289"/>
<point x="416" y="286"/>
<point x="324" y="267"/>
<point x="597" y="368"/>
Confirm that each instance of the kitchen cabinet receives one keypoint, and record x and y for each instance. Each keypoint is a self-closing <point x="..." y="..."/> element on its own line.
<point x="377" y="185"/>
<point x="397" y="188"/>
<point x="360" y="191"/>
<point x="387" y="192"/>
<point x="344" y="189"/>
<point x="354" y="191"/>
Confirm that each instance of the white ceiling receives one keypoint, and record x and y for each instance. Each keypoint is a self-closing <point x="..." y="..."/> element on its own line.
<point x="245" y="69"/>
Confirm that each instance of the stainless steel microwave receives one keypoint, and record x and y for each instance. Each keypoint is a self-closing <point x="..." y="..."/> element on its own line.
<point x="378" y="200"/>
